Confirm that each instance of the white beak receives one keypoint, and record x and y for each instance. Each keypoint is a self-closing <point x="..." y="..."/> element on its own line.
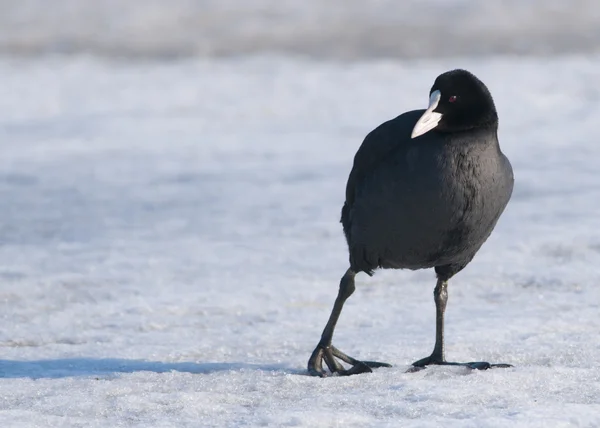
<point x="430" y="118"/>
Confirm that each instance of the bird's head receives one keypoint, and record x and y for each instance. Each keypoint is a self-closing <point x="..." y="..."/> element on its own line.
<point x="458" y="101"/>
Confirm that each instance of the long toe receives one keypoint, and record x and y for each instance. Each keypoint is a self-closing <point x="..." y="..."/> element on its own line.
<point x="501" y="366"/>
<point x="358" y="368"/>
<point x="427" y="361"/>
<point x="483" y="365"/>
<point x="375" y="364"/>
<point x="475" y="365"/>
<point x="346" y="358"/>
<point x="478" y="365"/>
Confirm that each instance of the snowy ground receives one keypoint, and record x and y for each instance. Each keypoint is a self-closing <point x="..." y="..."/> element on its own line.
<point x="170" y="249"/>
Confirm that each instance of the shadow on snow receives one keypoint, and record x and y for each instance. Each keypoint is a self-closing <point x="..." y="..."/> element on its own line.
<point x="71" y="367"/>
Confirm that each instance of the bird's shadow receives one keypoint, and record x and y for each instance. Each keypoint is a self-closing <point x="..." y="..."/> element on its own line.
<point x="105" y="367"/>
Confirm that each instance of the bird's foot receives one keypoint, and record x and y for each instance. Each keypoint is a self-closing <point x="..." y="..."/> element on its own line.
<point x="330" y="354"/>
<point x="438" y="361"/>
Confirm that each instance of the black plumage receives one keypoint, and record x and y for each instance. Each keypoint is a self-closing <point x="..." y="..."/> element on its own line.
<point x="425" y="191"/>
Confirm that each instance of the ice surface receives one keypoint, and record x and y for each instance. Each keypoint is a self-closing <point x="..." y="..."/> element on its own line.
<point x="170" y="249"/>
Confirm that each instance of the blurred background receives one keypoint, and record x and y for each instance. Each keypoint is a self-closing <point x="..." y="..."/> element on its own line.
<point x="339" y="29"/>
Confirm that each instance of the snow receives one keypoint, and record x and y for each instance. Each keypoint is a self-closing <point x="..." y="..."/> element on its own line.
<point x="170" y="248"/>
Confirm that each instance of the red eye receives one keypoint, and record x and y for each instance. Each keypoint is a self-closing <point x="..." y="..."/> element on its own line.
<point x="452" y="99"/>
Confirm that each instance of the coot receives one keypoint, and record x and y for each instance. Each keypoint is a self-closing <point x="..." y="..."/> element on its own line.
<point x="425" y="191"/>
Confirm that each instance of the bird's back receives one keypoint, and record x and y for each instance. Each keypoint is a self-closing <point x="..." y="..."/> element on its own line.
<point x="419" y="203"/>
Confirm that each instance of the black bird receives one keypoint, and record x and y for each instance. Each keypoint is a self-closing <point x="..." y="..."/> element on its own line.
<point x="425" y="191"/>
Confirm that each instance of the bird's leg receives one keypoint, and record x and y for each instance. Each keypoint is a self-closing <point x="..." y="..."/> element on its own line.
<point x="437" y="357"/>
<point x="440" y="296"/>
<point x="326" y="351"/>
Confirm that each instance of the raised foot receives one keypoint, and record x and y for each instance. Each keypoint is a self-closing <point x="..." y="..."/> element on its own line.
<point x="330" y="354"/>
<point x="474" y="365"/>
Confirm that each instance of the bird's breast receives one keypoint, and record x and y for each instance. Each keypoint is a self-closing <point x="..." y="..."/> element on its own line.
<point x="427" y="203"/>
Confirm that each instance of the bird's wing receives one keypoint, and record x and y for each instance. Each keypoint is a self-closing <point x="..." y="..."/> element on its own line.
<point x="377" y="145"/>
